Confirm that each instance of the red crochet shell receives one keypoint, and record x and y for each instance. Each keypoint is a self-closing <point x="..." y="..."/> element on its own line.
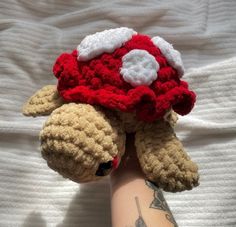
<point x="98" y="82"/>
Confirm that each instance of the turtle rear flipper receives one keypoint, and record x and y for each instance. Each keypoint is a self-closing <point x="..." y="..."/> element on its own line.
<point x="43" y="102"/>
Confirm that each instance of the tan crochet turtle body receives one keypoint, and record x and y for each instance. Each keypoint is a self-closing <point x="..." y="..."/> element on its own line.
<point x="80" y="141"/>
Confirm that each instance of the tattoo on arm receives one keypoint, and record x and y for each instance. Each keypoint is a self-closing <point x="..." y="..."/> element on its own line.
<point x="140" y="221"/>
<point x="160" y="203"/>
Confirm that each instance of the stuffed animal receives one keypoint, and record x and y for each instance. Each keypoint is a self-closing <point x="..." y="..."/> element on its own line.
<point x="116" y="82"/>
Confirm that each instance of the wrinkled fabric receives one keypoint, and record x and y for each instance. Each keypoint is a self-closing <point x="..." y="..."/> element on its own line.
<point x="34" y="33"/>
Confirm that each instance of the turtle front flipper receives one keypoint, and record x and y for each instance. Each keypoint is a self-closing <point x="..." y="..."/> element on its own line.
<point x="43" y="102"/>
<point x="82" y="142"/>
<point x="163" y="159"/>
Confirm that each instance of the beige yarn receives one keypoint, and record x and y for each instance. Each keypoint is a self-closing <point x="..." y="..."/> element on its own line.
<point x="129" y="122"/>
<point x="43" y="102"/>
<point x="76" y="138"/>
<point x="163" y="159"/>
<point x="171" y="117"/>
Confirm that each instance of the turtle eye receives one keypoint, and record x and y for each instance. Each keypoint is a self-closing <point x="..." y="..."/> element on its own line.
<point x="139" y="68"/>
<point x="104" y="169"/>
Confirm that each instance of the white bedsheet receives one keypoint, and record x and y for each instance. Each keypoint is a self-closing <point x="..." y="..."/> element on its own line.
<point x="34" y="33"/>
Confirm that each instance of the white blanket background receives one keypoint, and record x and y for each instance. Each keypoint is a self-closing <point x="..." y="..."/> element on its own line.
<point x="34" y="33"/>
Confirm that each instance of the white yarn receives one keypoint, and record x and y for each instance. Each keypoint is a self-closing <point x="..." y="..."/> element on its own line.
<point x="173" y="56"/>
<point x="101" y="42"/>
<point x="139" y="68"/>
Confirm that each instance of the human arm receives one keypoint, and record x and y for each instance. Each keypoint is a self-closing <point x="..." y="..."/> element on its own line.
<point x="136" y="201"/>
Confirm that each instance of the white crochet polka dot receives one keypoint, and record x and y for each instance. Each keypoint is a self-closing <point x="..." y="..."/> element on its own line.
<point x="139" y="68"/>
<point x="103" y="42"/>
<point x="173" y="56"/>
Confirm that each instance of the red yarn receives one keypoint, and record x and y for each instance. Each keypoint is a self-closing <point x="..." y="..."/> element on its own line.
<point x="115" y="162"/>
<point x="98" y="82"/>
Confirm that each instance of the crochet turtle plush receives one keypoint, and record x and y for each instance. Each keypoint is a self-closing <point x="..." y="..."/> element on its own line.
<point x="116" y="82"/>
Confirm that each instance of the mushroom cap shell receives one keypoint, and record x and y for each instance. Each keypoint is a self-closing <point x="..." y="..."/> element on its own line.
<point x="98" y="82"/>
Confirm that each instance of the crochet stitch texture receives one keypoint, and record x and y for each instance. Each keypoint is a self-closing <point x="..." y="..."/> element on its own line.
<point x="93" y="108"/>
<point x="98" y="82"/>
